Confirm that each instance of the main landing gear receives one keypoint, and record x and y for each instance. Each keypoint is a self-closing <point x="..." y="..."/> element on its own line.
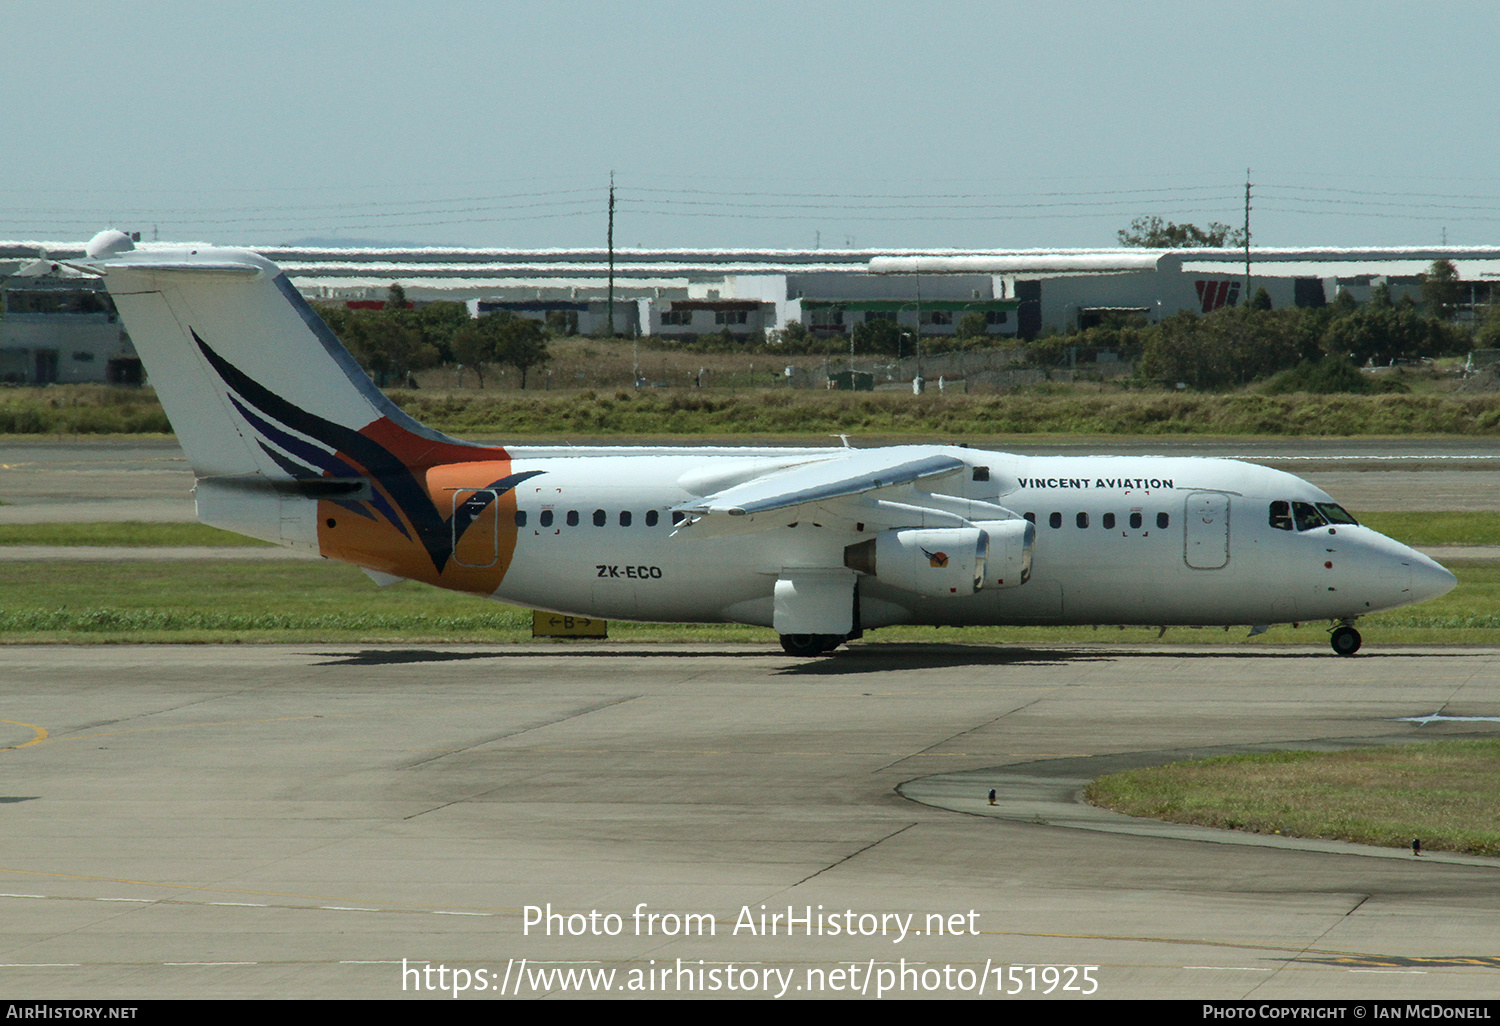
<point x="810" y="644"/>
<point x="1345" y="640"/>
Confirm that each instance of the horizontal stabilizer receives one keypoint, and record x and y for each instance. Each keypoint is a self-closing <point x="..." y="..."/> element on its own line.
<point x="160" y="266"/>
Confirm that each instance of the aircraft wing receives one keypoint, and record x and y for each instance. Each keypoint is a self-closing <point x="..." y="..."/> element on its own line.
<point x="826" y="486"/>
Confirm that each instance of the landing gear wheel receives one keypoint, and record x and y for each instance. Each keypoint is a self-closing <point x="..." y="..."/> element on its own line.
<point x="810" y="644"/>
<point x="1345" y="641"/>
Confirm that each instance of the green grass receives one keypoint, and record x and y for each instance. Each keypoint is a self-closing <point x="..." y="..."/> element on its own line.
<point x="1475" y="528"/>
<point x="299" y="601"/>
<point x="81" y="409"/>
<point x="1445" y="792"/>
<point x="812" y="414"/>
<point x="788" y="413"/>
<point x="278" y="600"/>
<point x="123" y="533"/>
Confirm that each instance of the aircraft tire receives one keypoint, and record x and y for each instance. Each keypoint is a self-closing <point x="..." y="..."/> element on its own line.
<point x="1345" y="641"/>
<point x="810" y="644"/>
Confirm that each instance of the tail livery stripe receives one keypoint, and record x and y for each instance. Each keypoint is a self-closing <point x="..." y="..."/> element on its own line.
<point x="389" y="475"/>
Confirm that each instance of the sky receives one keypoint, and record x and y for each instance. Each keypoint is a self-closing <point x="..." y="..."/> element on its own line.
<point x="874" y="125"/>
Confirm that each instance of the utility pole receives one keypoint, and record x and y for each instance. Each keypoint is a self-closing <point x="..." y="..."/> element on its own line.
<point x="612" y="261"/>
<point x="1247" y="236"/>
<point x="918" y="337"/>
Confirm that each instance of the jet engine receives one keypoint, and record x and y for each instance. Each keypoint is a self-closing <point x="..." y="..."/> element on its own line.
<point x="935" y="562"/>
<point x="1011" y="543"/>
<point x="948" y="562"/>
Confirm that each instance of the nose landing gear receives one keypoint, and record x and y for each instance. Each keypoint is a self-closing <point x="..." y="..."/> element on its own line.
<point x="1344" y="639"/>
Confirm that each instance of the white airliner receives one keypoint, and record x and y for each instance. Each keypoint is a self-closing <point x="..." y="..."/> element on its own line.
<point x="291" y="443"/>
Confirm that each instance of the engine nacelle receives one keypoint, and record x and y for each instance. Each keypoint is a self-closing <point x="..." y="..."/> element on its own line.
<point x="935" y="562"/>
<point x="1011" y="545"/>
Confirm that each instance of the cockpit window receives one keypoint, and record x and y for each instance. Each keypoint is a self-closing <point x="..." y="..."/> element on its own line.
<point x="1307" y="517"/>
<point x="1281" y="515"/>
<point x="1336" y="514"/>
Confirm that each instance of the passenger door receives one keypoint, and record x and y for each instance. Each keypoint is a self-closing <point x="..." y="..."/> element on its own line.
<point x="1206" y="530"/>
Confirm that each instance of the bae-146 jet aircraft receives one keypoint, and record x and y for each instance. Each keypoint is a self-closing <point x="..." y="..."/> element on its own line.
<point x="292" y="443"/>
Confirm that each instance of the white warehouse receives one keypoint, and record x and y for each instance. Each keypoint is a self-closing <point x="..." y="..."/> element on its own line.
<point x="691" y="293"/>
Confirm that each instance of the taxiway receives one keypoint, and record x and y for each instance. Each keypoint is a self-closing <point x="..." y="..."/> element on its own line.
<point x="274" y="821"/>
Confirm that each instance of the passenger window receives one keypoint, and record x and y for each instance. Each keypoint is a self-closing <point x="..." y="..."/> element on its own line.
<point x="600" y="517"/>
<point x="624" y="518"/>
<point x="1280" y="515"/>
<point x="1135" y="521"/>
<point x="1109" y="521"/>
<point x="652" y="517"/>
<point x="1082" y="520"/>
<point x="1307" y="517"/>
<point x="1031" y="517"/>
<point x="1162" y="520"/>
<point x="678" y="517"/>
<point x="546" y="518"/>
<point x="520" y="518"/>
<point x="572" y="518"/>
<point x="1055" y="520"/>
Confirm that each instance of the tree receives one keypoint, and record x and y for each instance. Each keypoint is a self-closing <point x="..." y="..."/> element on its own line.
<point x="1179" y="351"/>
<point x="523" y="345"/>
<point x="972" y="327"/>
<point x="1154" y="233"/>
<point x="794" y="336"/>
<point x="880" y="336"/>
<point x="1488" y="335"/>
<point x="501" y="337"/>
<point x="386" y="348"/>
<point x="1229" y="347"/>
<point x="1381" y="332"/>
<point x="475" y="343"/>
<point x="562" y="322"/>
<point x="336" y="316"/>
<point x="1441" y="290"/>
<point x="1328" y="376"/>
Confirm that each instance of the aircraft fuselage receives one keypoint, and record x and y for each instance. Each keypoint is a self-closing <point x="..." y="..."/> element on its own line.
<point x="1119" y="540"/>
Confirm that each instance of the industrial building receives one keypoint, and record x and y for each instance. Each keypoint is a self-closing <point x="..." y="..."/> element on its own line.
<point x="57" y="329"/>
<point x="690" y="293"/>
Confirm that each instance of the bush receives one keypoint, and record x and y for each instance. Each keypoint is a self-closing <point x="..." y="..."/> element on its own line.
<point x="1327" y="376"/>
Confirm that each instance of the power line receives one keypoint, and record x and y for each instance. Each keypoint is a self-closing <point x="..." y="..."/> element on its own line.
<point x="975" y="216"/>
<point x="918" y="206"/>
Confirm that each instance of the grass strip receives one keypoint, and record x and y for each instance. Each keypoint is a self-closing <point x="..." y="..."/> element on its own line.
<point x="1445" y="792"/>
<point x="812" y="414"/>
<point x="298" y="601"/>
<point x="935" y="416"/>
<point x="1427" y="528"/>
<point x="124" y="533"/>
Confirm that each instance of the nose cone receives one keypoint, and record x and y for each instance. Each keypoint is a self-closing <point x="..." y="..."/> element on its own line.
<point x="1391" y="574"/>
<point x="1429" y="579"/>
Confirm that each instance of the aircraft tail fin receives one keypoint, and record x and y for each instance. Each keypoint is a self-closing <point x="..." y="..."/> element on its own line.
<point x="264" y="399"/>
<point x="239" y="359"/>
